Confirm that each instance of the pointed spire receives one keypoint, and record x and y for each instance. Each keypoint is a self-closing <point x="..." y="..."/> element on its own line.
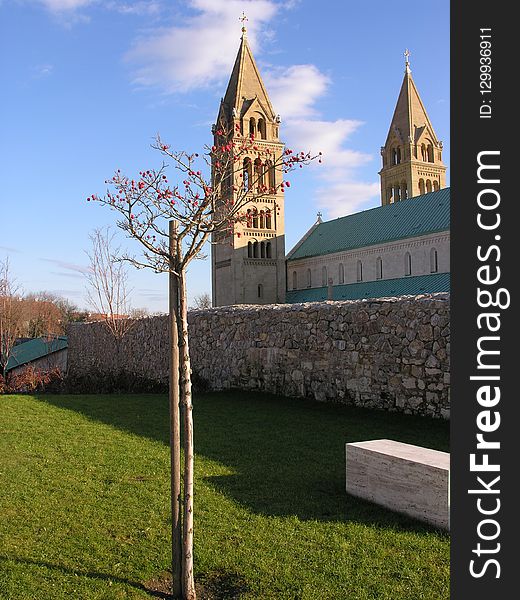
<point x="410" y="117"/>
<point x="245" y="83"/>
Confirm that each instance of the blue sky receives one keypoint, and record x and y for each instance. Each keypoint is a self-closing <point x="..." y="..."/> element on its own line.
<point x="87" y="84"/>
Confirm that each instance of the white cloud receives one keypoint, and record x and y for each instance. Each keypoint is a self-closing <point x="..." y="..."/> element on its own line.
<point x="201" y="50"/>
<point x="58" y="6"/>
<point x="347" y="197"/>
<point x="294" y="91"/>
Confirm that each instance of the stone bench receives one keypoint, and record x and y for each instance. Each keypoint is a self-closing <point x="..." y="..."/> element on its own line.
<point x="408" y="479"/>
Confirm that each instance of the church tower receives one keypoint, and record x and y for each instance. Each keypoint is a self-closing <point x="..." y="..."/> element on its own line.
<point x="412" y="154"/>
<point x="248" y="265"/>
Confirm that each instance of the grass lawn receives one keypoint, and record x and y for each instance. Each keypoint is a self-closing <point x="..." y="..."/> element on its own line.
<point x="84" y="501"/>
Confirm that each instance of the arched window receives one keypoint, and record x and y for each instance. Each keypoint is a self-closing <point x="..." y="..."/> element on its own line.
<point x="436" y="186"/>
<point x="424" y="154"/>
<point x="434" y="261"/>
<point x="430" y="153"/>
<point x="396" y="155"/>
<point x="407" y="264"/>
<point x="397" y="193"/>
<point x="359" y="271"/>
<point x="428" y="186"/>
<point x="294" y="280"/>
<point x="268" y="224"/>
<point x="261" y="128"/>
<point x="249" y="250"/>
<point x="262" y="219"/>
<point x="252" y="126"/>
<point x="260" y="290"/>
<point x="389" y="195"/>
<point x="268" y="252"/>
<point x="249" y="218"/>
<point x="404" y="190"/>
<point x="255" y="218"/>
<point x="421" y="186"/>
<point x="255" y="249"/>
<point x="341" y="277"/>
<point x="324" y="276"/>
<point x="259" y="174"/>
<point x="269" y="167"/>
<point x="262" y="249"/>
<point x="247" y="174"/>
<point x="379" y="268"/>
<point x="309" y="278"/>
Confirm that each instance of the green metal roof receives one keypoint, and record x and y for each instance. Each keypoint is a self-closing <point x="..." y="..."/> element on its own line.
<point x="383" y="288"/>
<point x="421" y="215"/>
<point x="33" y="349"/>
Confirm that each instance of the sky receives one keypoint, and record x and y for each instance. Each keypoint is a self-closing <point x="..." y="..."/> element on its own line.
<point x="87" y="84"/>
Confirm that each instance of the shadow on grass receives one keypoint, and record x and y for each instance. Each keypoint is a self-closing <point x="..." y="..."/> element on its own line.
<point x="89" y="574"/>
<point x="287" y="455"/>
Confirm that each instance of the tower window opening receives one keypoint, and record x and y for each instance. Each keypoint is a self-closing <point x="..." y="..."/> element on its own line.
<point x="429" y="153"/>
<point x="309" y="278"/>
<point x="271" y="176"/>
<point x="294" y="280"/>
<point x="246" y="173"/>
<point x="252" y="126"/>
<point x="268" y="252"/>
<point x="268" y="219"/>
<point x="262" y="249"/>
<point x="262" y="219"/>
<point x="255" y="249"/>
<point x="379" y="268"/>
<point x="428" y="186"/>
<point x="424" y="154"/>
<point x="249" y="250"/>
<point x="260" y="290"/>
<point x="421" y="186"/>
<point x="436" y="186"/>
<point x="261" y="128"/>
<point x="255" y="219"/>
<point x="259" y="174"/>
<point x="341" y="273"/>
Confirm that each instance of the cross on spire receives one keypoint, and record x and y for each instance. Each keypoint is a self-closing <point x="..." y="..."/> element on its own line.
<point x="243" y="18"/>
<point x="407" y="59"/>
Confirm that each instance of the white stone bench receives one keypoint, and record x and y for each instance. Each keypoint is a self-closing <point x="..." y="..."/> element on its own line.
<point x="408" y="479"/>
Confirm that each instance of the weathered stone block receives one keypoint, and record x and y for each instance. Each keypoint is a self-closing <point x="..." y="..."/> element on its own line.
<point x="408" y="479"/>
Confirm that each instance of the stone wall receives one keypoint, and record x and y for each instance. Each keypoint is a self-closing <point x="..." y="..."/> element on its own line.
<point x="387" y="353"/>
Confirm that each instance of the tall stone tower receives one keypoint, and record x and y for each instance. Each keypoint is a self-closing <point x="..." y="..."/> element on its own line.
<point x="412" y="154"/>
<point x="248" y="266"/>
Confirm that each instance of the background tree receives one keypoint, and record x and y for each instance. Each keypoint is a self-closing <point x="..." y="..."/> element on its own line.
<point x="202" y="301"/>
<point x="107" y="290"/>
<point x="202" y="208"/>
<point x="11" y="314"/>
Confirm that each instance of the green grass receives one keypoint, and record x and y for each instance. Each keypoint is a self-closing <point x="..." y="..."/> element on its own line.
<point x="84" y="501"/>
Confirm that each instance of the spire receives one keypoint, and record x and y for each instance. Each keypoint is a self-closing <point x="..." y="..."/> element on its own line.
<point x="410" y="118"/>
<point x="245" y="83"/>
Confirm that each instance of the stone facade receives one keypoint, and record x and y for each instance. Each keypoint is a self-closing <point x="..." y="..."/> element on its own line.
<point x="384" y="261"/>
<point x="391" y="354"/>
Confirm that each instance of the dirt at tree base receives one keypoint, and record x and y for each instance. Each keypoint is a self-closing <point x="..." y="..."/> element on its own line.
<point x="213" y="586"/>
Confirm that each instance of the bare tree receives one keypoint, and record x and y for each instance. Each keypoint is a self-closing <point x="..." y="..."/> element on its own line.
<point x="202" y="301"/>
<point x="107" y="279"/>
<point x="201" y="210"/>
<point x="11" y="314"/>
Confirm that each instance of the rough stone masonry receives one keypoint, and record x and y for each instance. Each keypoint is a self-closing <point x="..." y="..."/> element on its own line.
<point x="391" y="354"/>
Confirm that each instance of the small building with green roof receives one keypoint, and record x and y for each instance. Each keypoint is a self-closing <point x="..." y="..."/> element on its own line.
<point x="396" y="249"/>
<point x="43" y="354"/>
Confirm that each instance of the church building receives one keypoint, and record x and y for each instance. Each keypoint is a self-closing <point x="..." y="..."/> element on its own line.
<point x="401" y="247"/>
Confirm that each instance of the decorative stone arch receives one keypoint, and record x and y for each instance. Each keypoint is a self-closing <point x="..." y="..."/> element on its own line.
<point x="249" y="249"/>
<point x="428" y="186"/>
<point x="254" y="218"/>
<point x="256" y="249"/>
<point x="259" y="174"/>
<point x="436" y="186"/>
<point x="404" y="190"/>
<point x="252" y="126"/>
<point x="429" y="152"/>
<point x="421" y="187"/>
<point x="262" y="249"/>
<point x="268" y="218"/>
<point x="268" y="250"/>
<point x="262" y="128"/>
<point x="424" y="153"/>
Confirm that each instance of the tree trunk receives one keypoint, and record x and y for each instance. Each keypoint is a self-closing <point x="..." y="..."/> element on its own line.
<point x="188" y="583"/>
<point x="175" y="422"/>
